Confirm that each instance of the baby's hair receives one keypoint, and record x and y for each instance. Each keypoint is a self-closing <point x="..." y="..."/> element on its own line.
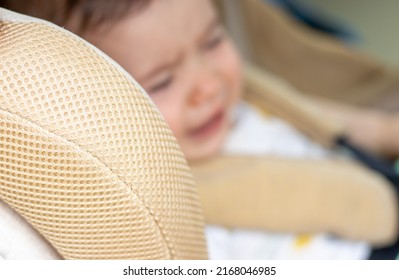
<point x="93" y="13"/>
<point x="88" y="13"/>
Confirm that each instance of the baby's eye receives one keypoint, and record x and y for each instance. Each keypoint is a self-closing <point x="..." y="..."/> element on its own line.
<point x="214" y="41"/>
<point x="161" y="85"/>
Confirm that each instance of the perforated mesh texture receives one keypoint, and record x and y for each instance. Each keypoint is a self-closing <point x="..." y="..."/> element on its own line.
<point x="85" y="157"/>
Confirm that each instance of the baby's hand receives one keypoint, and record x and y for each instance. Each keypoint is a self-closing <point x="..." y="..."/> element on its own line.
<point x="372" y="129"/>
<point x="390" y="134"/>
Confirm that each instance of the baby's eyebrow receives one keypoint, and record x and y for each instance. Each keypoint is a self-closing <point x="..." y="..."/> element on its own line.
<point x="159" y="69"/>
<point x="162" y="67"/>
<point x="213" y="23"/>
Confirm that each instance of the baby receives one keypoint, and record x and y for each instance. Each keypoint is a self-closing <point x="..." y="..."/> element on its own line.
<point x="179" y="52"/>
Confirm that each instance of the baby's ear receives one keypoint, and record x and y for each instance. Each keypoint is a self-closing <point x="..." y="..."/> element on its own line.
<point x="85" y="156"/>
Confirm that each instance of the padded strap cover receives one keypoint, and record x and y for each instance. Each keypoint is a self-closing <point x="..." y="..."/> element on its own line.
<point x="300" y="196"/>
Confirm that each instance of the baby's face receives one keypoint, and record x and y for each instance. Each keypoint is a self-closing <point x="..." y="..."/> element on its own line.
<point x="178" y="51"/>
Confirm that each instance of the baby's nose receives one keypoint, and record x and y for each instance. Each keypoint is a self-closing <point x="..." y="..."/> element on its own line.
<point x="206" y="86"/>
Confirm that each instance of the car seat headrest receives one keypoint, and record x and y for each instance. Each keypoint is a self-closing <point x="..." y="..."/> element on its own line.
<point x="85" y="157"/>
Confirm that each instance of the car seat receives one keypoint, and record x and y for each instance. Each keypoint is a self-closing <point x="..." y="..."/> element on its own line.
<point x="312" y="62"/>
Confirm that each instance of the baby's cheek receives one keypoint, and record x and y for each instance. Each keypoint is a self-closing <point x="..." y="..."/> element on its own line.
<point x="169" y="113"/>
<point x="174" y="123"/>
<point x="233" y="69"/>
<point x="176" y="128"/>
<point x="235" y="80"/>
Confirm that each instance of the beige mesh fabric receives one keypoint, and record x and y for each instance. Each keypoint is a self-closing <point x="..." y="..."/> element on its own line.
<point x="84" y="155"/>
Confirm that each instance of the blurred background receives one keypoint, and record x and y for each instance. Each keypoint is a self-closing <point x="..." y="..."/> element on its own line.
<point x="370" y="25"/>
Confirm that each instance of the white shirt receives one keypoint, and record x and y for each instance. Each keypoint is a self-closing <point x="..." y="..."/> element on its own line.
<point x="254" y="134"/>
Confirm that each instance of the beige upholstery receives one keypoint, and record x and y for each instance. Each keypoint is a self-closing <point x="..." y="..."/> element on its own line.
<point x="85" y="157"/>
<point x="312" y="62"/>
